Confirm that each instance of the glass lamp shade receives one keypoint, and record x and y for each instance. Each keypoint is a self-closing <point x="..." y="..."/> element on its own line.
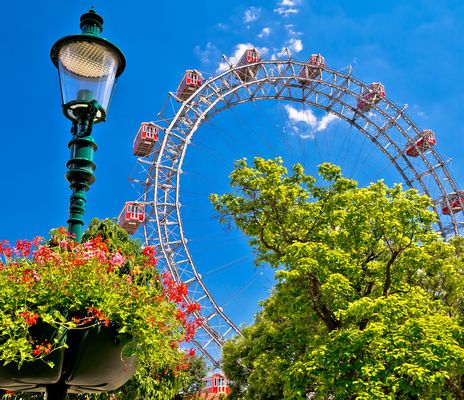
<point x="88" y="69"/>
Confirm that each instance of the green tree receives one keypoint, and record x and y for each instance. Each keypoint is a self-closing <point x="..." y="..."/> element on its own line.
<point x="368" y="303"/>
<point x="195" y="375"/>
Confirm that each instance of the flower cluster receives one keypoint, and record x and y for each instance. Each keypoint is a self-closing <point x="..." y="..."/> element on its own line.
<point x="29" y="317"/>
<point x="107" y="281"/>
<point x="187" y="313"/>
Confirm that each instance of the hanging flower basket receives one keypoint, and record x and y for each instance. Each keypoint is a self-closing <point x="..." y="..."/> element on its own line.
<point x="85" y="315"/>
<point x="100" y="364"/>
<point x="94" y="361"/>
<point x="34" y="374"/>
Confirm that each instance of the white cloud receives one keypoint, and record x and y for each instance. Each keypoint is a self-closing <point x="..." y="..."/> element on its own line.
<point x="291" y="32"/>
<point x="295" y="44"/>
<point x="221" y="26"/>
<point x="287" y="7"/>
<point x="324" y="122"/>
<point x="301" y="120"/>
<point x="290" y="3"/>
<point x="265" y="32"/>
<point x="239" y="50"/>
<point x="306" y="116"/>
<point x="419" y="112"/>
<point x="286" y="11"/>
<point x="207" y="54"/>
<point x="251" y="15"/>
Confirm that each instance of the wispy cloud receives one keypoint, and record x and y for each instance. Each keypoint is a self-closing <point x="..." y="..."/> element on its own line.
<point x="251" y="15"/>
<point x="265" y="32"/>
<point x="289" y="3"/>
<point x="305" y="123"/>
<point x="286" y="11"/>
<point x="221" y="26"/>
<point x="206" y="54"/>
<point x="416" y="109"/>
<point x="287" y="7"/>
<point x="290" y="29"/>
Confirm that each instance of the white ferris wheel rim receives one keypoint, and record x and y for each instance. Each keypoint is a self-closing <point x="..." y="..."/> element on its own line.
<point x="334" y="91"/>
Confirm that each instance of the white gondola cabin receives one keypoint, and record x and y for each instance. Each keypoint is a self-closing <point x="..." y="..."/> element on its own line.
<point x="312" y="69"/>
<point x="131" y="216"/>
<point x="452" y="203"/>
<point x="250" y="56"/>
<point x="191" y="81"/>
<point x="372" y="95"/>
<point x="424" y="141"/>
<point x="145" y="139"/>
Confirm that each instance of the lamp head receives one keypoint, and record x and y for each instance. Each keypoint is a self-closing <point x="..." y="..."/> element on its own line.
<point x="88" y="67"/>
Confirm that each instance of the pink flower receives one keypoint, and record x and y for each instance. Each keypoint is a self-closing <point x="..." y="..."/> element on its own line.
<point x="117" y="260"/>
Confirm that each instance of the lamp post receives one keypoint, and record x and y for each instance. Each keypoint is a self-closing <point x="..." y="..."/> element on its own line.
<point x="88" y="67"/>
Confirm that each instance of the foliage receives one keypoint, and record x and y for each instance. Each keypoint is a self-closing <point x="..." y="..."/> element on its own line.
<point x="183" y="382"/>
<point x="368" y="303"/>
<point x="108" y="281"/>
<point x="195" y="375"/>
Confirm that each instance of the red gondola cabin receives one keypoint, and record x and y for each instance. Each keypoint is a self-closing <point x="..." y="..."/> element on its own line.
<point x="312" y="69"/>
<point x="372" y="95"/>
<point x="452" y="203"/>
<point x="191" y="81"/>
<point x="424" y="141"/>
<point x="215" y="385"/>
<point x="145" y="139"/>
<point x="250" y="56"/>
<point x="131" y="216"/>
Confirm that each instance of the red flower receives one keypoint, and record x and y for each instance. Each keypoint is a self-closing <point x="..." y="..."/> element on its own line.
<point x="41" y="348"/>
<point x="5" y="249"/>
<point x="23" y="248"/>
<point x="37" y="240"/>
<point x="192" y="307"/>
<point x="42" y="255"/>
<point x="150" y="253"/>
<point x="99" y="316"/>
<point x="31" y="318"/>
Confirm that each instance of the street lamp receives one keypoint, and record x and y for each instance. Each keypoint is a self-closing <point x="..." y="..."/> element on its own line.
<point x="88" y="67"/>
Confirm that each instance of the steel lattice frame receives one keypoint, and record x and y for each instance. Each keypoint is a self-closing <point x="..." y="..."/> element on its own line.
<point x="337" y="92"/>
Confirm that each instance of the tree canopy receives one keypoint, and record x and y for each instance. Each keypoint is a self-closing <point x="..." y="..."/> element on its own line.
<point x="369" y="299"/>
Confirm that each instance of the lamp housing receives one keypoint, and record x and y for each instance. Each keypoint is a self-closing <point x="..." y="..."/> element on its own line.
<point x="88" y="67"/>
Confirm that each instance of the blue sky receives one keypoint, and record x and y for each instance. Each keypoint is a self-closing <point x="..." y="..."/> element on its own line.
<point x="414" y="48"/>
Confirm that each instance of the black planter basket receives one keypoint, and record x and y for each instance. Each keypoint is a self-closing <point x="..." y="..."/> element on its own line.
<point x="93" y="362"/>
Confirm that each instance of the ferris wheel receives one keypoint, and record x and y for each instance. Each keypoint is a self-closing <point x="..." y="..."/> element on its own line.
<point x="162" y="147"/>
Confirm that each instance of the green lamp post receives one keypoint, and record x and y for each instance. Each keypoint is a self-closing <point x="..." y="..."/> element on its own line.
<point x="92" y="360"/>
<point x="88" y="67"/>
